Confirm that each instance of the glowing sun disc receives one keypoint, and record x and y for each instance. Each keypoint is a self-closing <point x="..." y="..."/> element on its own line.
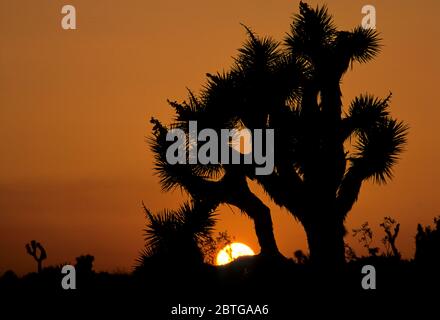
<point x="233" y="251"/>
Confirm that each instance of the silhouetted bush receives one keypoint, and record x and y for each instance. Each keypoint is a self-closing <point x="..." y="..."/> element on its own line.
<point x="428" y="244"/>
<point x="84" y="264"/>
<point x="365" y="235"/>
<point x="301" y="257"/>
<point x="391" y="229"/>
<point x="211" y="245"/>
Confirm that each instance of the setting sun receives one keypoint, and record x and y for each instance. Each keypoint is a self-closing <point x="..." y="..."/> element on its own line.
<point x="233" y="251"/>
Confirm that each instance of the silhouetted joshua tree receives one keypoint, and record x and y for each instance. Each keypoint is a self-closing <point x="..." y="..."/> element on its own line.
<point x="177" y="236"/>
<point x="36" y="250"/>
<point x="323" y="151"/>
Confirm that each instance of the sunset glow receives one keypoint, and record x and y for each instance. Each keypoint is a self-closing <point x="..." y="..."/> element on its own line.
<point x="76" y="104"/>
<point x="233" y="251"/>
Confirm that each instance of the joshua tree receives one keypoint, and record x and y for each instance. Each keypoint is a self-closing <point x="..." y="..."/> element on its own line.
<point x="36" y="250"/>
<point x="178" y="235"/>
<point x="323" y="151"/>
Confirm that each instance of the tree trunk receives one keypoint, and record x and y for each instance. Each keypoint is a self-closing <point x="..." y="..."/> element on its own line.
<point x="248" y="202"/>
<point x="325" y="237"/>
<point x="233" y="189"/>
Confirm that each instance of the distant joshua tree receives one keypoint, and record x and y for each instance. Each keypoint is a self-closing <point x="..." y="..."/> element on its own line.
<point x="323" y="151"/>
<point x="37" y="251"/>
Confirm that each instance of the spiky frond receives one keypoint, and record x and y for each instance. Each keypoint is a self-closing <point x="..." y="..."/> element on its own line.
<point x="176" y="233"/>
<point x="257" y="53"/>
<point x="360" y="44"/>
<point x="379" y="148"/>
<point x="311" y="31"/>
<point x="365" y="111"/>
<point x="168" y="174"/>
<point x="187" y="110"/>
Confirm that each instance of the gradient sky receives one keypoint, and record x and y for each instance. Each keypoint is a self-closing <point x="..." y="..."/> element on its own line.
<point x="75" y="105"/>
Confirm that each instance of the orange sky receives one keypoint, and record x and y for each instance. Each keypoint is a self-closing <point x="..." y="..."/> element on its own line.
<point x="74" y="110"/>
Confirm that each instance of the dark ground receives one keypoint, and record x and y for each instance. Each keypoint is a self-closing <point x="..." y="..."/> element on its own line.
<point x="290" y="291"/>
